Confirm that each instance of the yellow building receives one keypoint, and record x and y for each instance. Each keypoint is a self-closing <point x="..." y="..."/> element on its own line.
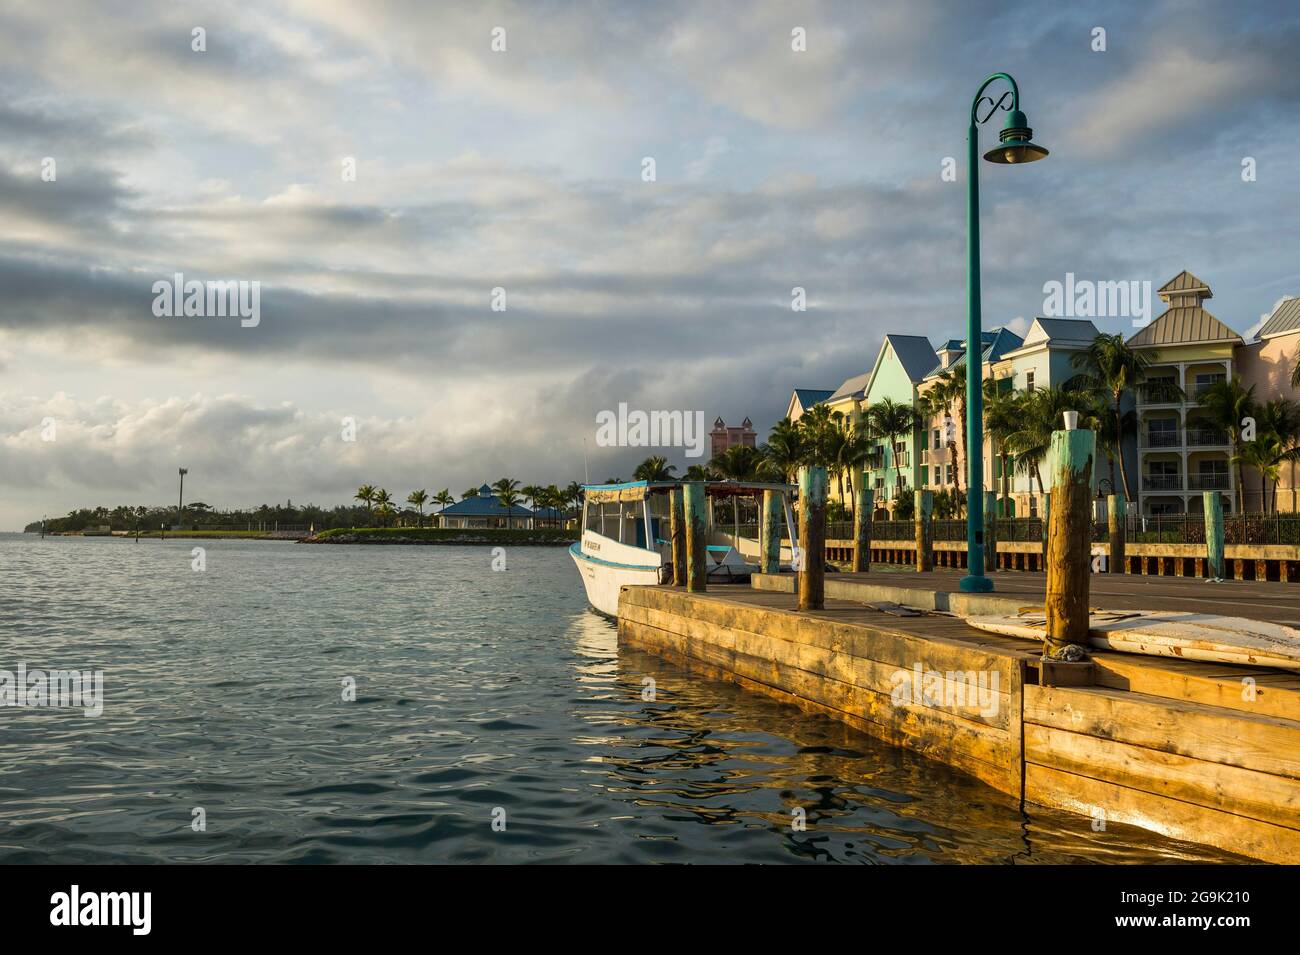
<point x="1179" y="454"/>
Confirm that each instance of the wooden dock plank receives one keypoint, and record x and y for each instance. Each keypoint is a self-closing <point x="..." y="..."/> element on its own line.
<point x="1263" y="743"/>
<point x="1170" y="817"/>
<point x="1243" y="792"/>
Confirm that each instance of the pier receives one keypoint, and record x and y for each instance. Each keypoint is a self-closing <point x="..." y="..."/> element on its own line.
<point x="1208" y="753"/>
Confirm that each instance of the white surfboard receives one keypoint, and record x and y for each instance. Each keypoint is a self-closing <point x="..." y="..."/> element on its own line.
<point x="1169" y="633"/>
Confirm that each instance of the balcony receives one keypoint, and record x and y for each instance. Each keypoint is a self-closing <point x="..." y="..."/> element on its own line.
<point x="1209" y="482"/>
<point x="1206" y="438"/>
<point x="1162" y="482"/>
<point x="1161" y="439"/>
<point x="1160" y="393"/>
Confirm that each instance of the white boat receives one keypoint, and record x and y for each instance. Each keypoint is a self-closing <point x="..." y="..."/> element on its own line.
<point x="625" y="537"/>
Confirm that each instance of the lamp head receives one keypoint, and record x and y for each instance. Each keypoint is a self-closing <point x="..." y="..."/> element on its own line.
<point x="1015" y="142"/>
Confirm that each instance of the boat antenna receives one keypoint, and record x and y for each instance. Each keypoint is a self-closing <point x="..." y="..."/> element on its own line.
<point x="586" y="471"/>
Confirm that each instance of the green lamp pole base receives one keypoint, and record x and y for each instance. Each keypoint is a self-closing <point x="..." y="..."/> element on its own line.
<point x="975" y="584"/>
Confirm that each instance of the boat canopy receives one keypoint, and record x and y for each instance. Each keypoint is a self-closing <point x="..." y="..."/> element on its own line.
<point x="640" y="490"/>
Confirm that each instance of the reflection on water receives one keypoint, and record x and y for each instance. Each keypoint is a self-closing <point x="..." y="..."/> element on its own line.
<point x="476" y="691"/>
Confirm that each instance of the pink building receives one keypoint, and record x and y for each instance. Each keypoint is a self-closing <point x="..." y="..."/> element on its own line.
<point x="724" y="437"/>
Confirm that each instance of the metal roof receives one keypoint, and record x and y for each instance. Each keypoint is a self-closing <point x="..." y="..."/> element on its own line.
<point x="1068" y="329"/>
<point x="1184" y="283"/>
<point x="1285" y="319"/>
<point x="1183" y="325"/>
<point x="851" y="386"/>
<point x="915" y="354"/>
<point x="487" y="504"/>
<point x="811" y="396"/>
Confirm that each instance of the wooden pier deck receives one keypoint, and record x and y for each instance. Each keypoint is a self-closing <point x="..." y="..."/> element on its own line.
<point x="1203" y="752"/>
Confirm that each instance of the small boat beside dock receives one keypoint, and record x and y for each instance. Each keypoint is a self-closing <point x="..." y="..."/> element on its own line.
<point x="628" y="536"/>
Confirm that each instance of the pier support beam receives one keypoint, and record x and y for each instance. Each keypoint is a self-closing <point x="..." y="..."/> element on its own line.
<point x="1116" y="525"/>
<point x="1214" y="533"/>
<point x="770" y="532"/>
<point x="990" y="532"/>
<point x="812" y="538"/>
<point x="677" y="531"/>
<point x="697" y="555"/>
<point x="862" y="504"/>
<point x="1069" y="538"/>
<point x="922" y="510"/>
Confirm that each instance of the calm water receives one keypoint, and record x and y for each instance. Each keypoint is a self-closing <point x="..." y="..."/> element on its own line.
<point x="475" y="690"/>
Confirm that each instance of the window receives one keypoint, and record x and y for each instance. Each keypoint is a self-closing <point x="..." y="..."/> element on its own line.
<point x="947" y="474"/>
<point x="1214" y="467"/>
<point x="1029" y="381"/>
<point x="934" y="439"/>
<point x="1204" y="381"/>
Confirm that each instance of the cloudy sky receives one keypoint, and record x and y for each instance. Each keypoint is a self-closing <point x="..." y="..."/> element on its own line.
<point x="523" y="170"/>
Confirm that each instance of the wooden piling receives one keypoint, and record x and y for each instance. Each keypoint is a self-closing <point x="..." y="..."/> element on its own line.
<point x="1069" y="538"/>
<point x="1116" y="526"/>
<point x="677" y="531"/>
<point x="1214" y="533"/>
<point x="990" y="532"/>
<point x="770" y="532"/>
<point x="922" y="510"/>
<point x="862" y="526"/>
<point x="697" y="556"/>
<point x="812" y="538"/>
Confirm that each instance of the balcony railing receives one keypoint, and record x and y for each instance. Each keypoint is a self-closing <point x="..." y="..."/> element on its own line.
<point x="1208" y="482"/>
<point x="1162" y="439"/>
<point x="1162" y="482"/>
<point x="1160" y="394"/>
<point x="1206" y="438"/>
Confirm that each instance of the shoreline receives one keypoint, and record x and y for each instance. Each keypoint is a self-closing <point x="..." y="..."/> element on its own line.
<point x="439" y="535"/>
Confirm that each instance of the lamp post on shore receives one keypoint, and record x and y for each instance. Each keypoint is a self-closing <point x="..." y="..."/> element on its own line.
<point x="180" y="501"/>
<point x="1014" y="147"/>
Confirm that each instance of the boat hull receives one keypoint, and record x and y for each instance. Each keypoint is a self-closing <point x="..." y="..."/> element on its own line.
<point x="603" y="579"/>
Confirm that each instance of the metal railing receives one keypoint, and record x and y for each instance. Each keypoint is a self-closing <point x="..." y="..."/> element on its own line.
<point x="1208" y="482"/>
<point x="1206" y="438"/>
<point x="1161" y="439"/>
<point x="1162" y="482"/>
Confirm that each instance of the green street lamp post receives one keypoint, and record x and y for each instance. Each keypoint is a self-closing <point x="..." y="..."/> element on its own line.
<point x="1014" y="147"/>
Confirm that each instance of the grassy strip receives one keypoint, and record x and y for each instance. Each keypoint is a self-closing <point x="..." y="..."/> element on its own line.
<point x="442" y="535"/>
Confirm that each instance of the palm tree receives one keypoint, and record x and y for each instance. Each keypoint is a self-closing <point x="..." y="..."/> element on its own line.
<point x="573" y="497"/>
<point x="1040" y="415"/>
<point x="1100" y="418"/>
<point x="952" y="388"/>
<point x="737" y="463"/>
<point x="383" y="503"/>
<point x="444" y="498"/>
<point x="366" y="495"/>
<point x="891" y="419"/>
<point x="849" y="451"/>
<point x="1265" y="454"/>
<point x="1227" y="403"/>
<point x="418" y="499"/>
<point x="507" y="492"/>
<point x="784" y="451"/>
<point x="817" y="428"/>
<point x="1111" y="366"/>
<point x="696" y="472"/>
<point x="654" y="468"/>
<point x="531" y="491"/>
<point x="1278" y="421"/>
<point x="1001" y="420"/>
<point x="469" y="492"/>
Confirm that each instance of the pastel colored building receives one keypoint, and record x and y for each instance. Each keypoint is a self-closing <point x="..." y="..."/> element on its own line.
<point x="1269" y="363"/>
<point x="484" y="511"/>
<point x="722" y="436"/>
<point x="1180" y="453"/>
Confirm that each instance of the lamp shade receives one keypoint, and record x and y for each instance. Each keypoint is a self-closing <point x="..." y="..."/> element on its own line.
<point x="1015" y="143"/>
